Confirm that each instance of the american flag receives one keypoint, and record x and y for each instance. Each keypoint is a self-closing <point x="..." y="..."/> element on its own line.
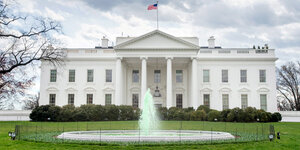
<point x="154" y="6"/>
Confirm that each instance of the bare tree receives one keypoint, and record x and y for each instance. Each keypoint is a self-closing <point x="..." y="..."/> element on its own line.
<point x="288" y="86"/>
<point x="31" y="102"/>
<point x="23" y="46"/>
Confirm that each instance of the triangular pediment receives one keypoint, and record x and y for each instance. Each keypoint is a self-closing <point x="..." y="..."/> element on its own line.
<point x="156" y="40"/>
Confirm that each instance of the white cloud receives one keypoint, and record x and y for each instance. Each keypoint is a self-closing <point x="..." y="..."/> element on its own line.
<point x="55" y="16"/>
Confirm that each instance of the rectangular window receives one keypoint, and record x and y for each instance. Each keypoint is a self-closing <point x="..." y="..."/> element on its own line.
<point x="156" y="76"/>
<point x="107" y="99"/>
<point x="135" y="76"/>
<point x="89" y="98"/>
<point x="225" y="99"/>
<point x="206" y="99"/>
<point x="53" y="73"/>
<point x="90" y="76"/>
<point x="244" y="98"/>
<point x="225" y="76"/>
<point x="205" y="75"/>
<point x="71" y="99"/>
<point x="243" y="74"/>
<point x="179" y="76"/>
<point x="135" y="100"/>
<point x="262" y="75"/>
<point x="71" y="75"/>
<point x="179" y="100"/>
<point x="263" y="102"/>
<point x="108" y="74"/>
<point x="52" y="98"/>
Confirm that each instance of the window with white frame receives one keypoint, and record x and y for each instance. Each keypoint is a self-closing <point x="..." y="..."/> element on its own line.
<point x="53" y="74"/>
<point x="206" y="100"/>
<point x="108" y="73"/>
<point x="107" y="99"/>
<point x="179" y="76"/>
<point x="71" y="99"/>
<point x="206" y="75"/>
<point x="52" y="98"/>
<point x="90" y="75"/>
<point x="135" y="76"/>
<point x="244" y="99"/>
<point x="135" y="100"/>
<point x="156" y="76"/>
<point x="225" y="99"/>
<point x="225" y="76"/>
<point x="262" y="75"/>
<point x="71" y="75"/>
<point x="263" y="102"/>
<point x="243" y="74"/>
<point x="179" y="100"/>
<point x="89" y="98"/>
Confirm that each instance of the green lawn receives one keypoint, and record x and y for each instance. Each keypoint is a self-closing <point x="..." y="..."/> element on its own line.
<point x="290" y="135"/>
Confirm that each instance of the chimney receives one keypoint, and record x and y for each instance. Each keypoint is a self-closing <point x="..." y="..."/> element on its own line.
<point x="211" y="42"/>
<point x="104" y="42"/>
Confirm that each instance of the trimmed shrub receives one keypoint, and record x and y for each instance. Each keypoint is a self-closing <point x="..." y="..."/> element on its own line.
<point x="205" y="108"/>
<point x="198" y="115"/>
<point x="214" y="114"/>
<point x="224" y="114"/>
<point x="45" y="113"/>
<point x="172" y="112"/>
<point x="67" y="113"/>
<point x="163" y="113"/>
<point x="276" y="117"/>
<point x="126" y="112"/>
<point x="112" y="112"/>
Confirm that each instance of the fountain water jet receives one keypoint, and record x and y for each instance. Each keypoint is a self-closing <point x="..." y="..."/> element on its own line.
<point x="149" y="119"/>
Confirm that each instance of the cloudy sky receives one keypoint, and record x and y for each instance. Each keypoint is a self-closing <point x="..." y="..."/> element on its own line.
<point x="234" y="23"/>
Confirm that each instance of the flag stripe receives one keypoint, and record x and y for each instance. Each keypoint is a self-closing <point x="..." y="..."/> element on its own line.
<point x="154" y="6"/>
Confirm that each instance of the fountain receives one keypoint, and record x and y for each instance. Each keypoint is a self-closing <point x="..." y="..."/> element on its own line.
<point x="148" y="130"/>
<point x="149" y="120"/>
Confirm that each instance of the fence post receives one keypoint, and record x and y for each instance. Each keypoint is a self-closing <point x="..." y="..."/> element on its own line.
<point x="235" y="134"/>
<point x="210" y="135"/>
<point x="87" y="126"/>
<point x="77" y="125"/>
<point x="256" y="133"/>
<point x="35" y="132"/>
<point x="139" y="135"/>
<point x="225" y="127"/>
<point x="63" y="134"/>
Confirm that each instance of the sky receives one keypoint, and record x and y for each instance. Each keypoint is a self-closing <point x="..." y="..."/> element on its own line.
<point x="234" y="23"/>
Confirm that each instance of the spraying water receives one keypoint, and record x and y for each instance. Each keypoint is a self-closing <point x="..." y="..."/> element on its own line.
<point x="148" y="119"/>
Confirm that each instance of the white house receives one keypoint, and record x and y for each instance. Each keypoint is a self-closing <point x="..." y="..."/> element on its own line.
<point x="182" y="73"/>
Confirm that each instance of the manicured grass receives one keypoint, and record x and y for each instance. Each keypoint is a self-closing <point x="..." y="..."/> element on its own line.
<point x="290" y="135"/>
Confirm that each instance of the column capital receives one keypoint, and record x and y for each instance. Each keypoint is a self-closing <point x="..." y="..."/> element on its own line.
<point x="118" y="57"/>
<point x="169" y="57"/>
<point x="143" y="57"/>
<point x="194" y="58"/>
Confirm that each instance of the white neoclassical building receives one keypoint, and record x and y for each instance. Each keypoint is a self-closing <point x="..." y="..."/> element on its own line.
<point x="177" y="70"/>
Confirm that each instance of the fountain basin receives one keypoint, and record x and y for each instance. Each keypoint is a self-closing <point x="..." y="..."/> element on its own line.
<point x="138" y="136"/>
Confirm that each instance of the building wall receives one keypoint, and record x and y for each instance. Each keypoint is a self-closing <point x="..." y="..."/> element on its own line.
<point x="253" y="88"/>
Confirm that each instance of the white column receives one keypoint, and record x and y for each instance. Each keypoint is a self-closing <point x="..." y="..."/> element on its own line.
<point x="143" y="80"/>
<point x="169" y="83"/>
<point x="118" y="83"/>
<point x="194" y="82"/>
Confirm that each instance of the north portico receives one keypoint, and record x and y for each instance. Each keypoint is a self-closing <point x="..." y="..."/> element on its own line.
<point x="178" y="72"/>
<point x="158" y="56"/>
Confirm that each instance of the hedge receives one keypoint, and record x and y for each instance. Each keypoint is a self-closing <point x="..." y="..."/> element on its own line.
<point x="93" y="112"/>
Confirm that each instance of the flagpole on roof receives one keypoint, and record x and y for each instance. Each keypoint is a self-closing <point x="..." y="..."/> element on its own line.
<point x="157" y="15"/>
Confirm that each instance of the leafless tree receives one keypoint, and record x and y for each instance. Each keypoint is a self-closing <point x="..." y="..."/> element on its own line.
<point x="24" y="40"/>
<point x="288" y="86"/>
<point x="31" y="102"/>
